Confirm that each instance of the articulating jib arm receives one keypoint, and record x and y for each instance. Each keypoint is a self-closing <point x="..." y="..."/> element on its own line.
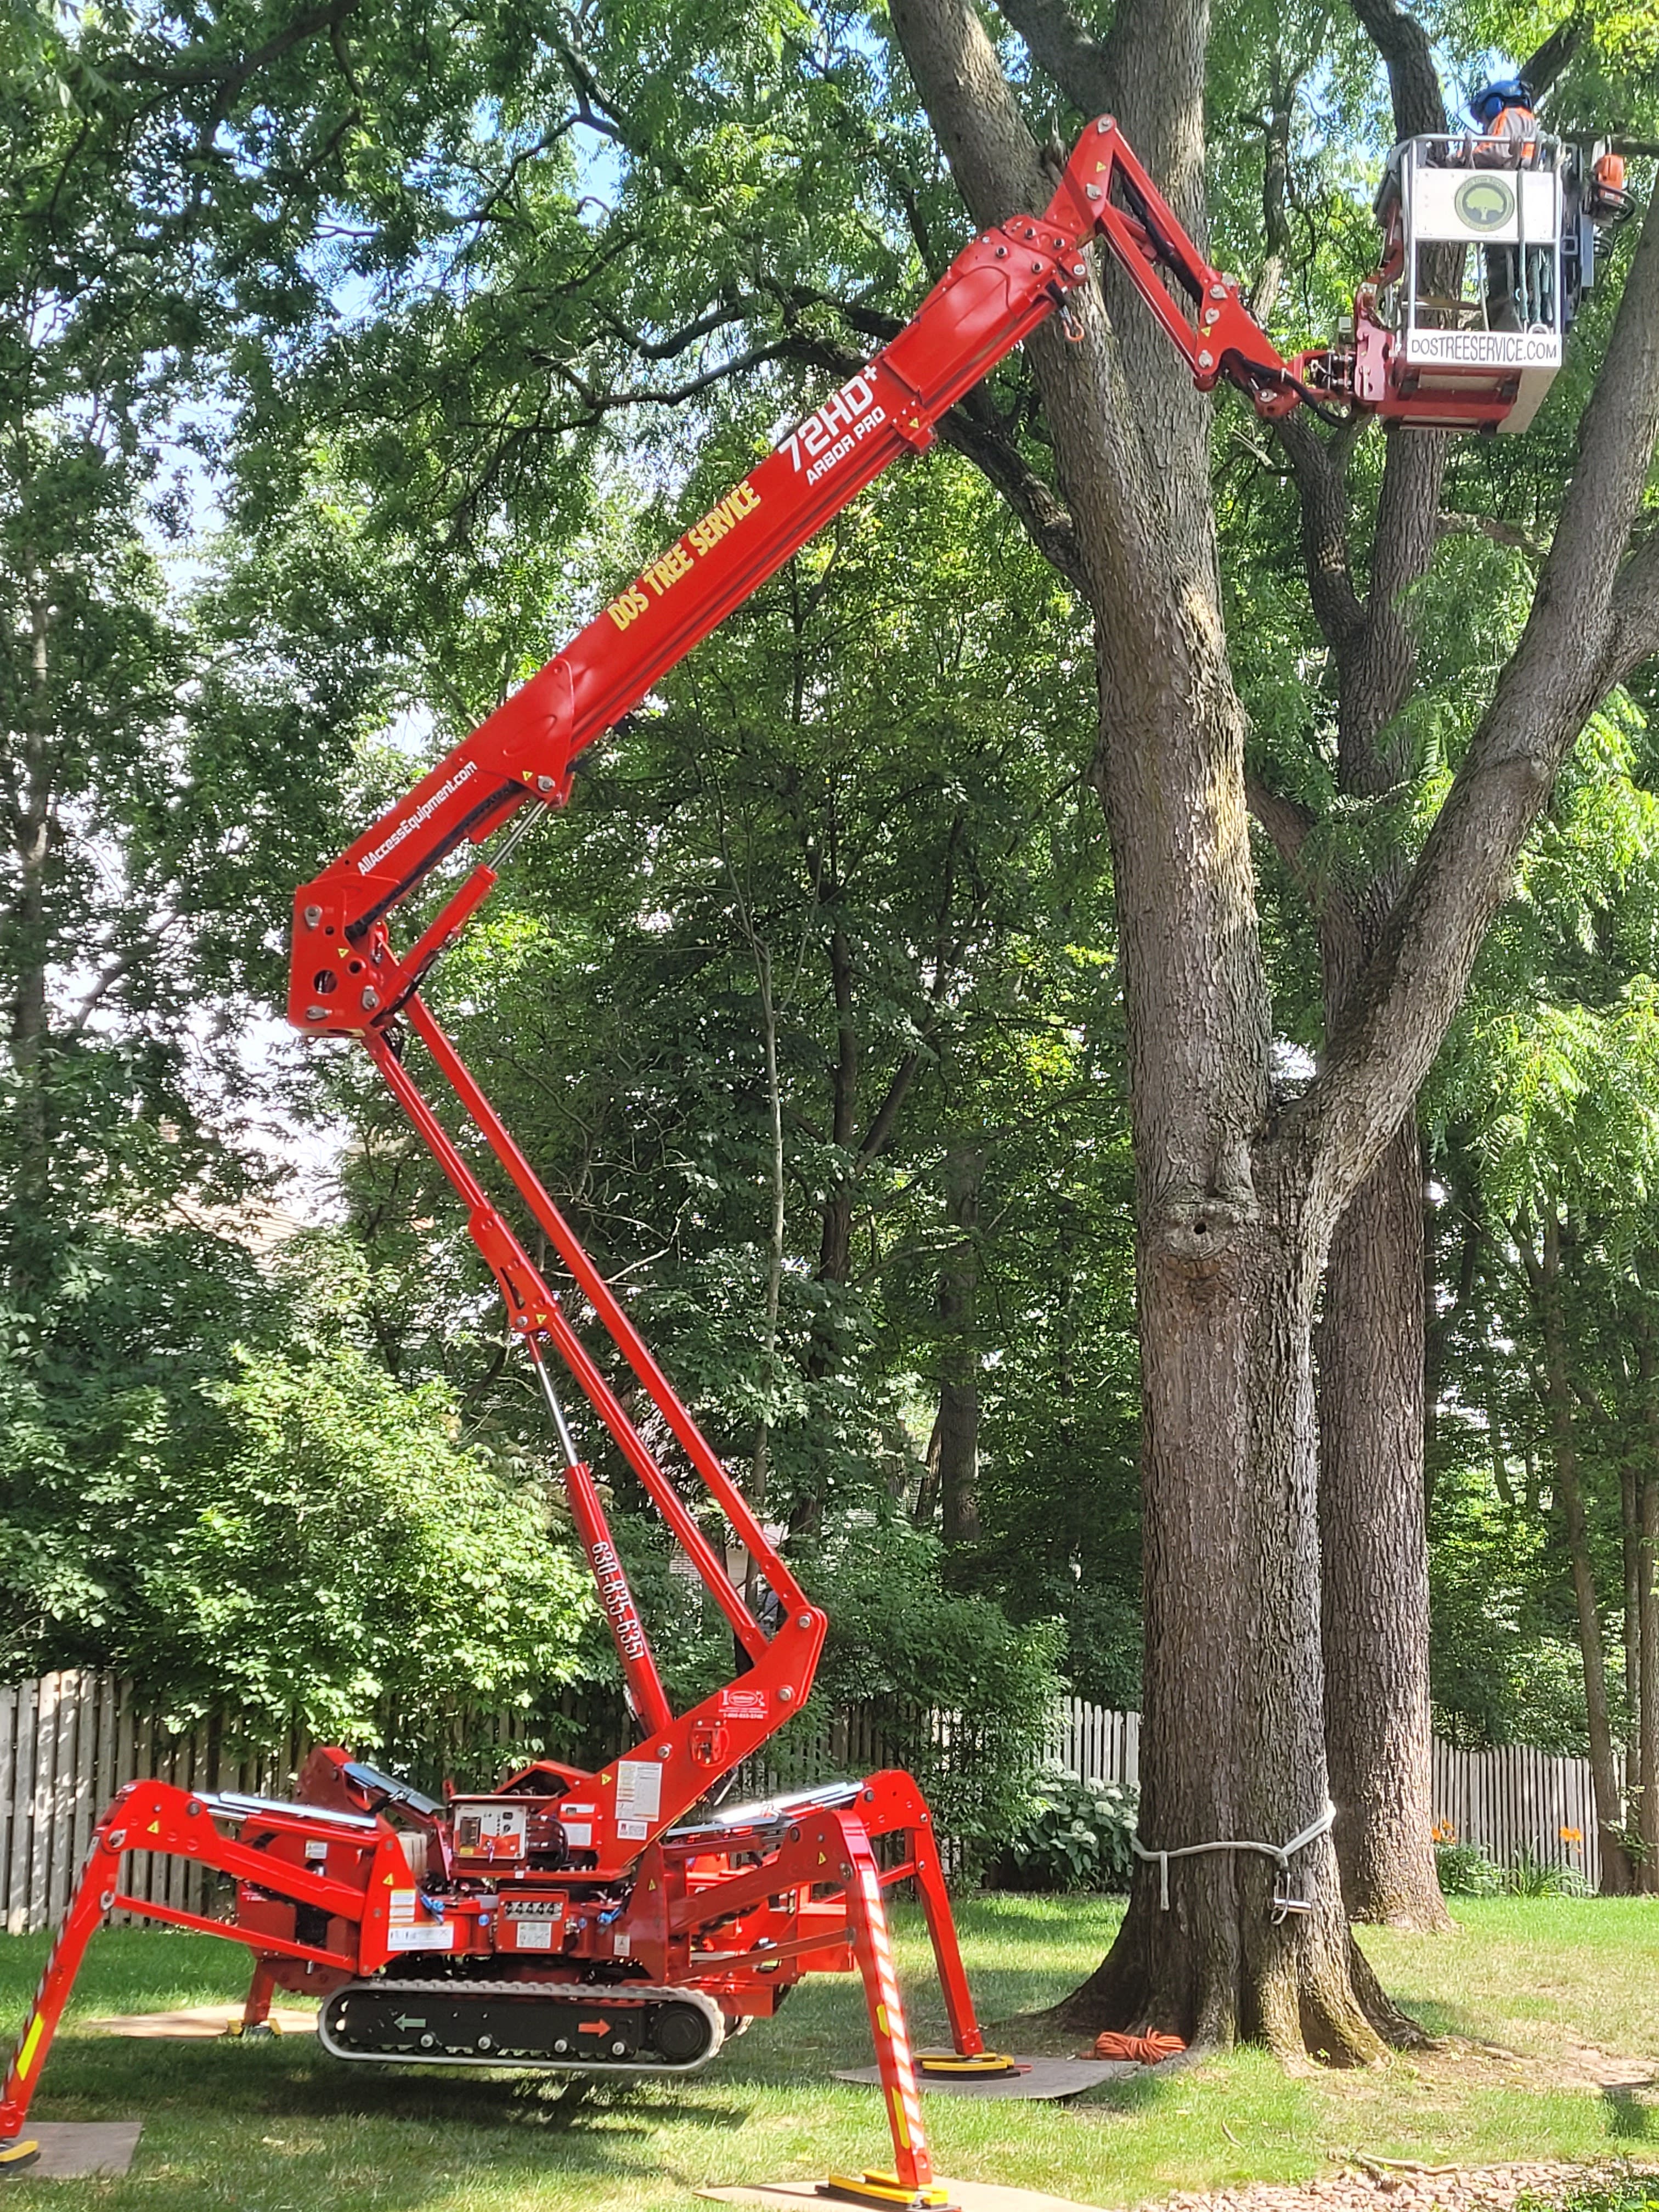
<point x="348" y="977"/>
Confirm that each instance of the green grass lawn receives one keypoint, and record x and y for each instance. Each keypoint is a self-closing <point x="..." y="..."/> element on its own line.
<point x="277" y="2127"/>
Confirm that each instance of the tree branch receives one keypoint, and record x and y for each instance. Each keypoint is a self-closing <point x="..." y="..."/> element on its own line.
<point x="881" y="1127"/>
<point x="1059" y="45"/>
<point x="1514" y="537"/>
<point x="973" y="428"/>
<point x="194" y="66"/>
<point x="1288" y="828"/>
<point x="1377" y="677"/>
<point x="1413" y="81"/>
<point x="994" y="162"/>
<point x="1542" y="67"/>
<point x="598" y="405"/>
<point x="1635" y="612"/>
<point x="1563" y="666"/>
<point x="1318" y="470"/>
<point x="1275" y="193"/>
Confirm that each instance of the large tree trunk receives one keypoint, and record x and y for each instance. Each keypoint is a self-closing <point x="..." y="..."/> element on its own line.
<point x="1372" y="1347"/>
<point x="31" y="823"/>
<point x="1378" y="1726"/>
<point x="1232" y="1728"/>
<point x="956" y="1429"/>
<point x="1544" y="1274"/>
<point x="1647" y="1617"/>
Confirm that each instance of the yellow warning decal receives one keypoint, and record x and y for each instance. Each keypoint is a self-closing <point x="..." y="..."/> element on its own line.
<point x="31" y="2045"/>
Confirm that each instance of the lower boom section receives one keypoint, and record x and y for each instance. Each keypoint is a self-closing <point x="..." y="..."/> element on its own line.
<point x="625" y="2028"/>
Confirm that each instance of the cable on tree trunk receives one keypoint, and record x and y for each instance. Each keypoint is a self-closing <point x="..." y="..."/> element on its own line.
<point x="1281" y="1854"/>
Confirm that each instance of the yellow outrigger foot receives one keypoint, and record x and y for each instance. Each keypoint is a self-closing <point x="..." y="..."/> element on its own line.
<point x="22" y="2151"/>
<point x="983" y="2066"/>
<point x="253" y="2031"/>
<point x="887" y="2191"/>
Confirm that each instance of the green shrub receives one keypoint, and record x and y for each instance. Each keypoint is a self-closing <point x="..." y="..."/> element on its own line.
<point x="957" y="1694"/>
<point x="1625" y="2192"/>
<point x="1466" y="1871"/>
<point x="1531" y="1877"/>
<point x="274" y="1524"/>
<point x="1075" y="1836"/>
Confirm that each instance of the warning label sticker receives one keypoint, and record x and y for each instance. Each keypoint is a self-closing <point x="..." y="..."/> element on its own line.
<point x="534" y="1934"/>
<point x="741" y="1705"/>
<point x="437" y="1936"/>
<point x="638" y="1790"/>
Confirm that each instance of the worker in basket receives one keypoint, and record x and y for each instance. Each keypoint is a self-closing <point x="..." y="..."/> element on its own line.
<point x="1508" y="129"/>
<point x="1509" y="140"/>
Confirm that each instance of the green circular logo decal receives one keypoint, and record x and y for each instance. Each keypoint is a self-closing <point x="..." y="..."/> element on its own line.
<point x="1484" y="203"/>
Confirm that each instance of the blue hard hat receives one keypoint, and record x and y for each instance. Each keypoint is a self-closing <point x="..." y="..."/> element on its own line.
<point x="1504" y="92"/>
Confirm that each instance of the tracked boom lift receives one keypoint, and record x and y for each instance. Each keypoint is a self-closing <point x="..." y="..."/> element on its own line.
<point x="620" y="1921"/>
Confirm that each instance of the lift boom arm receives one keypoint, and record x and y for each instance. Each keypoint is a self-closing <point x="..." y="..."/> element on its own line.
<point x="348" y="976"/>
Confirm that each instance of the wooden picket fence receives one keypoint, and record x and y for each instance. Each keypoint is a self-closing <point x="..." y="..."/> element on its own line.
<point x="1095" y="1743"/>
<point x="1505" y="1802"/>
<point x="1516" y="1799"/>
<point x="68" y="1740"/>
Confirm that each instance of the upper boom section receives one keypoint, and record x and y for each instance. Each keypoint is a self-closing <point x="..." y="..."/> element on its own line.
<point x="345" y="975"/>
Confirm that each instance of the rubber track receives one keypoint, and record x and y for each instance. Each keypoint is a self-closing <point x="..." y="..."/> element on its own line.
<point x="580" y="1995"/>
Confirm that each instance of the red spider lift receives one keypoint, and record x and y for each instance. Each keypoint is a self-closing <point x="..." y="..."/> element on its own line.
<point x="620" y="1921"/>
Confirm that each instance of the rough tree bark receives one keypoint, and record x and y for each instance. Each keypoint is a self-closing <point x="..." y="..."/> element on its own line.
<point x="1374" y="1548"/>
<point x="1371" y="1347"/>
<point x="30" y="815"/>
<point x="1543" y="1267"/>
<point x="1372" y="1524"/>
<point x="1238" y="1194"/>
<point x="1373" y="1533"/>
<point x="1647" y="1617"/>
<point x="956" y="1431"/>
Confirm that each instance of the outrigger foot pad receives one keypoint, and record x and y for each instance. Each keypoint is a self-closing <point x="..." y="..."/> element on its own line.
<point x="886" y="2190"/>
<point x="253" y="2031"/>
<point x="983" y="2066"/>
<point x="20" y="2152"/>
